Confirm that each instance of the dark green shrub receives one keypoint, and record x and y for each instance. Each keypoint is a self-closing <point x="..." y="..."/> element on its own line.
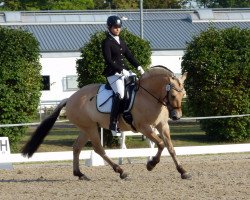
<point x="186" y="111"/>
<point x="91" y="65"/>
<point x="218" y="66"/>
<point x="20" y="81"/>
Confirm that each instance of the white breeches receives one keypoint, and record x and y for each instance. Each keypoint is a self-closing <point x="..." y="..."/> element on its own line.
<point x="117" y="84"/>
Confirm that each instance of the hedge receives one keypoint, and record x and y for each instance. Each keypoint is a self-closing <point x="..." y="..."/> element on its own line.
<point x="218" y="83"/>
<point x="20" y="81"/>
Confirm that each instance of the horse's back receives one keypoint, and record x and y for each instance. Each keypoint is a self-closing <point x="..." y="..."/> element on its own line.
<point x="79" y="104"/>
<point x="84" y="93"/>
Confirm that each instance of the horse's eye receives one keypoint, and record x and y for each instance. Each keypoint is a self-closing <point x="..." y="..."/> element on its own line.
<point x="173" y="96"/>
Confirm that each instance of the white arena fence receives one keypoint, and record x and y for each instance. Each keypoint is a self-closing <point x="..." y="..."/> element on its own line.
<point x="92" y="159"/>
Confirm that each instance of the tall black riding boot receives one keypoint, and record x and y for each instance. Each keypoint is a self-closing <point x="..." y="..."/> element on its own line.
<point x="114" y="112"/>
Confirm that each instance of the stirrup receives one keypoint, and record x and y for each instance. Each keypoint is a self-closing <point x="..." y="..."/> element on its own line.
<point x="116" y="133"/>
<point x="114" y="130"/>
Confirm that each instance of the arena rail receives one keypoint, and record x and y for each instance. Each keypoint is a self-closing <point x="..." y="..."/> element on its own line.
<point x="92" y="159"/>
<point x="182" y="119"/>
<point x="127" y="153"/>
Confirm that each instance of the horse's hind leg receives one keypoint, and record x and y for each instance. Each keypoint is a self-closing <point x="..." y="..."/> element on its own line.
<point x="98" y="148"/>
<point x="77" y="147"/>
<point x="165" y="132"/>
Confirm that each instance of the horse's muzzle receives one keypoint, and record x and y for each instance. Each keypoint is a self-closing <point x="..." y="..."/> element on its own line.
<point x="173" y="114"/>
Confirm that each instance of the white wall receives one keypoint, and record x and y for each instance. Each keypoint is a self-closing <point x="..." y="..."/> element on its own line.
<point x="170" y="59"/>
<point x="57" y="69"/>
<point x="60" y="65"/>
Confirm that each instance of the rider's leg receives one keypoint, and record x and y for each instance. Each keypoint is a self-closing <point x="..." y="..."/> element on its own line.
<point x="117" y="84"/>
<point x="114" y="112"/>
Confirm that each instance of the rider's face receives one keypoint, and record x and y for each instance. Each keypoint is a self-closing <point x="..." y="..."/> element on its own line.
<point x="115" y="30"/>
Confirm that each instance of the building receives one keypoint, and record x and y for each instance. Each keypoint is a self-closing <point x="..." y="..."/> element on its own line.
<point x="61" y="34"/>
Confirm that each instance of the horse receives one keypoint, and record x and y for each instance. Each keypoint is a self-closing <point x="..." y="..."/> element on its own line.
<point x="158" y="98"/>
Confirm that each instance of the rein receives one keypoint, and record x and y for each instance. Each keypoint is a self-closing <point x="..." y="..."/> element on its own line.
<point x="168" y="88"/>
<point x="158" y="99"/>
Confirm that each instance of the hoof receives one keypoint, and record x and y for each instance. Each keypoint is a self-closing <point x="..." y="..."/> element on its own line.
<point x="186" y="176"/>
<point x="123" y="175"/>
<point x="83" y="177"/>
<point x="150" y="166"/>
<point x="80" y="175"/>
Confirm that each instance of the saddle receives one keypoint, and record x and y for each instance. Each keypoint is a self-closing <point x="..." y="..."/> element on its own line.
<point x="105" y="95"/>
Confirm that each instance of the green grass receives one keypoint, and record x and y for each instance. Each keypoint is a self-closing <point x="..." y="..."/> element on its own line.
<point x="188" y="134"/>
<point x="59" y="139"/>
<point x="182" y="134"/>
<point x="62" y="137"/>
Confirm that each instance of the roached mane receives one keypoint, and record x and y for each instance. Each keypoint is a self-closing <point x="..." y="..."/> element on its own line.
<point x="158" y="70"/>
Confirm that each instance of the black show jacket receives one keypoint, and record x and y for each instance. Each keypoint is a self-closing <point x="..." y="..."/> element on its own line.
<point x="114" y="54"/>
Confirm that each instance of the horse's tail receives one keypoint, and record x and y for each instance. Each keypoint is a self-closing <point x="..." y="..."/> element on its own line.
<point x="42" y="131"/>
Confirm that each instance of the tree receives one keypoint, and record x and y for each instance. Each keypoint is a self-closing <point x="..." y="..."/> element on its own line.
<point x="11" y="5"/>
<point x="15" y="5"/>
<point x="156" y="4"/>
<point x="20" y="81"/>
<point x="223" y="3"/>
<point x="124" y="4"/>
<point x="49" y="5"/>
<point x="91" y="64"/>
<point x="218" y="66"/>
<point x="232" y="3"/>
<point x="134" y="4"/>
<point x="72" y="5"/>
<point x="90" y="4"/>
<point x="102" y="4"/>
<point x="116" y="4"/>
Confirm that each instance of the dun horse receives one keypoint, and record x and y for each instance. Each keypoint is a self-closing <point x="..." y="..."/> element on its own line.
<point x="158" y="97"/>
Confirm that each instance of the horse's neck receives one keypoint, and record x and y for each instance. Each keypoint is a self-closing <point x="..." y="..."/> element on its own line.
<point x="154" y="84"/>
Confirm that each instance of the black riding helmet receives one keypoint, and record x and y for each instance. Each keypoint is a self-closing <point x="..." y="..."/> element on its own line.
<point x="114" y="21"/>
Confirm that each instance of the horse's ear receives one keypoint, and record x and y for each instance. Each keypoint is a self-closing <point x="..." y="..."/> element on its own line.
<point x="183" y="77"/>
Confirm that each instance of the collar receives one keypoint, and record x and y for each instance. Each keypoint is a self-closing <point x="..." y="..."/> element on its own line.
<point x="117" y="38"/>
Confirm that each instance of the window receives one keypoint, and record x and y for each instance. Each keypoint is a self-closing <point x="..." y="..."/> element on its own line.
<point x="45" y="82"/>
<point x="70" y="83"/>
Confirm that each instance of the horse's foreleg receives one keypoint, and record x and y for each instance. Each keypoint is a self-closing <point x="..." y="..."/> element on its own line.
<point x="77" y="147"/>
<point x="98" y="148"/>
<point x="150" y="134"/>
<point x="165" y="133"/>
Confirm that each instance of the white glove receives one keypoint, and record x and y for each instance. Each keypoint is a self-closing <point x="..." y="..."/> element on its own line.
<point x="131" y="73"/>
<point x="140" y="70"/>
<point x="125" y="72"/>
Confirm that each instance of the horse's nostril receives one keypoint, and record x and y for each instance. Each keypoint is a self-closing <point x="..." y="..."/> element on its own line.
<point x="173" y="115"/>
<point x="175" y="118"/>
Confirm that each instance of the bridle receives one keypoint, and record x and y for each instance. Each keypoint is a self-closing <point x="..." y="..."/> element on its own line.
<point x="170" y="87"/>
<point x="165" y="101"/>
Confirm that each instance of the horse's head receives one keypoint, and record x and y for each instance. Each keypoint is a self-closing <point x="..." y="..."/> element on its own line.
<point x="174" y="94"/>
<point x="161" y="84"/>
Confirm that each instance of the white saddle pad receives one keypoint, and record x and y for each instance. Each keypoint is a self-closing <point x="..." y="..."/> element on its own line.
<point x="104" y="99"/>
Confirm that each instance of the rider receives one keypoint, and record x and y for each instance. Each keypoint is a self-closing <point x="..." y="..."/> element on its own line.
<point x="114" y="51"/>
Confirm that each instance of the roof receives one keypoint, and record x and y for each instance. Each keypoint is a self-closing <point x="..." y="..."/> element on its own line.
<point x="60" y="31"/>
